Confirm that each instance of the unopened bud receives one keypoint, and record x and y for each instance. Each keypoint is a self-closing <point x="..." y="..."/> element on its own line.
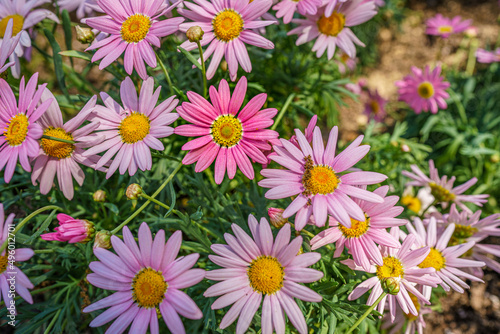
<point x="405" y="148"/>
<point x="102" y="239"/>
<point x="471" y="32"/>
<point x="133" y="191"/>
<point x="495" y="158"/>
<point x="99" y="196"/>
<point x="223" y="65"/>
<point x="84" y="35"/>
<point x="391" y="285"/>
<point x="276" y="217"/>
<point x="195" y="34"/>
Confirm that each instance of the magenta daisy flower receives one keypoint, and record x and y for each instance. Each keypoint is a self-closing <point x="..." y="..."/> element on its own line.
<point x="286" y="8"/>
<point x="226" y="134"/>
<point x="400" y="265"/>
<point x="147" y="278"/>
<point x="442" y="189"/>
<point x="333" y="30"/>
<point x="444" y="27"/>
<point x="375" y="106"/>
<point x="10" y="272"/>
<point x="260" y="268"/>
<point x="60" y="158"/>
<point x="361" y="237"/>
<point x="482" y="55"/>
<point x="228" y="26"/>
<point x="316" y="177"/>
<point x="71" y="230"/>
<point x="20" y="134"/>
<point x="133" y="28"/>
<point x="424" y="90"/>
<point x="132" y="130"/>
<point x="7" y="46"/>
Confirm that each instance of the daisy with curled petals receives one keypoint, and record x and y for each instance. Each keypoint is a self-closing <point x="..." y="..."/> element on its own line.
<point x="400" y="266"/>
<point x="132" y="130"/>
<point x="60" y="158"/>
<point x="442" y="189"/>
<point x="20" y="134"/>
<point x="228" y="26"/>
<point x="424" y="90"/>
<point x="286" y="8"/>
<point x="333" y="30"/>
<point x="445" y="260"/>
<point x="148" y="280"/>
<point x="133" y="28"/>
<point x="8" y="271"/>
<point x="444" y="27"/>
<point x="227" y="134"/>
<point x="361" y="237"/>
<point x="7" y="46"/>
<point x="313" y="176"/>
<point x="260" y="268"/>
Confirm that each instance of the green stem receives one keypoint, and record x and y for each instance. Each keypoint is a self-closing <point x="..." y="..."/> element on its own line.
<point x="154" y="200"/>
<point x="132" y="216"/>
<point x="49" y="327"/>
<point x="367" y="313"/>
<point x="427" y="208"/>
<point x="25" y="220"/>
<point x="471" y="62"/>
<point x="460" y="106"/>
<point x="170" y="85"/>
<point x="283" y="110"/>
<point x="59" y="139"/>
<point x="166" y="156"/>
<point x="203" y="70"/>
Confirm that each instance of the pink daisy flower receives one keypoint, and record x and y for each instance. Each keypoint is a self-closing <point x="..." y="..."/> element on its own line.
<point x="442" y="189"/>
<point x="482" y="55"/>
<point x="445" y="260"/>
<point x="71" y="230"/>
<point x="333" y="30"/>
<point x="345" y="63"/>
<point x="314" y="176"/>
<point x="60" y="158"/>
<point x="133" y="28"/>
<point x="444" y="27"/>
<point x="375" y="106"/>
<point x="226" y="134"/>
<point x="413" y="323"/>
<point x="228" y="26"/>
<point x="147" y="278"/>
<point x="7" y="46"/>
<point x="361" y="237"/>
<point x="260" y="268"/>
<point x="330" y="6"/>
<point x="20" y="134"/>
<point x="132" y="130"/>
<point x="286" y="8"/>
<point x="400" y="265"/>
<point x="424" y="90"/>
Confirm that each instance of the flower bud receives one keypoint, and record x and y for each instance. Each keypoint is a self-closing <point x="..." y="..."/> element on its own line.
<point x="405" y="148"/>
<point x="84" y="35"/>
<point x="223" y="65"/>
<point x="133" y="191"/>
<point x="276" y="217"/>
<point x="391" y="285"/>
<point x="99" y="196"/>
<point x="195" y="34"/>
<point x="102" y="239"/>
<point x="71" y="230"/>
<point x="471" y="32"/>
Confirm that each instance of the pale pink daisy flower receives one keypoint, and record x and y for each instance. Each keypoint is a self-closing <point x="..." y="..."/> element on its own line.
<point x="361" y="238"/>
<point x="227" y="134"/>
<point x="132" y="130"/>
<point x="25" y="17"/>
<point x="484" y="56"/>
<point x="445" y="260"/>
<point x="71" y="230"/>
<point x="345" y="63"/>
<point x="444" y="27"/>
<point x="133" y="28"/>
<point x="10" y="272"/>
<point x="55" y="157"/>
<point x="260" y="268"/>
<point x="81" y="7"/>
<point x="286" y="8"/>
<point x="413" y="323"/>
<point x="400" y="266"/>
<point x="20" y="134"/>
<point x="330" y="5"/>
<point x="147" y="278"/>
<point x="7" y="46"/>
<point x="375" y="106"/>
<point x="424" y="90"/>
<point x="228" y="26"/>
<point x="316" y="177"/>
<point x="333" y="30"/>
<point x="442" y="189"/>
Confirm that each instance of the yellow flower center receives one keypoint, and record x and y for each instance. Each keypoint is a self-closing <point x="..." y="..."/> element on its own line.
<point x="375" y="106"/>
<point x="17" y="130"/>
<point x="425" y="90"/>
<point x="266" y="274"/>
<point x="441" y="194"/>
<point x="358" y="228"/>
<point x="412" y="203"/>
<point x="319" y="179"/>
<point x="331" y="25"/>
<point x="135" y="28"/>
<point x="56" y="148"/>
<point x="226" y="130"/>
<point x="134" y="127"/>
<point x="415" y="301"/>
<point x="434" y="260"/>
<point x="148" y="288"/>
<point x="392" y="267"/>
<point x="344" y="58"/>
<point x="16" y="28"/>
<point x="445" y="29"/>
<point x="3" y="263"/>
<point x="227" y="25"/>
<point x="461" y="234"/>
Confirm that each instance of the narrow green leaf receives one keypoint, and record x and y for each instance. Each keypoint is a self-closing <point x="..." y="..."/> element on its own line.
<point x="66" y="23"/>
<point x="76" y="54"/>
<point x="58" y="63"/>
<point x="191" y="58"/>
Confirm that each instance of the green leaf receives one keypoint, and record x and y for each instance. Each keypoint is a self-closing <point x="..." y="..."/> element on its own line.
<point x="76" y="54"/>
<point x="66" y="23"/>
<point x="190" y="57"/>
<point x="58" y="63"/>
